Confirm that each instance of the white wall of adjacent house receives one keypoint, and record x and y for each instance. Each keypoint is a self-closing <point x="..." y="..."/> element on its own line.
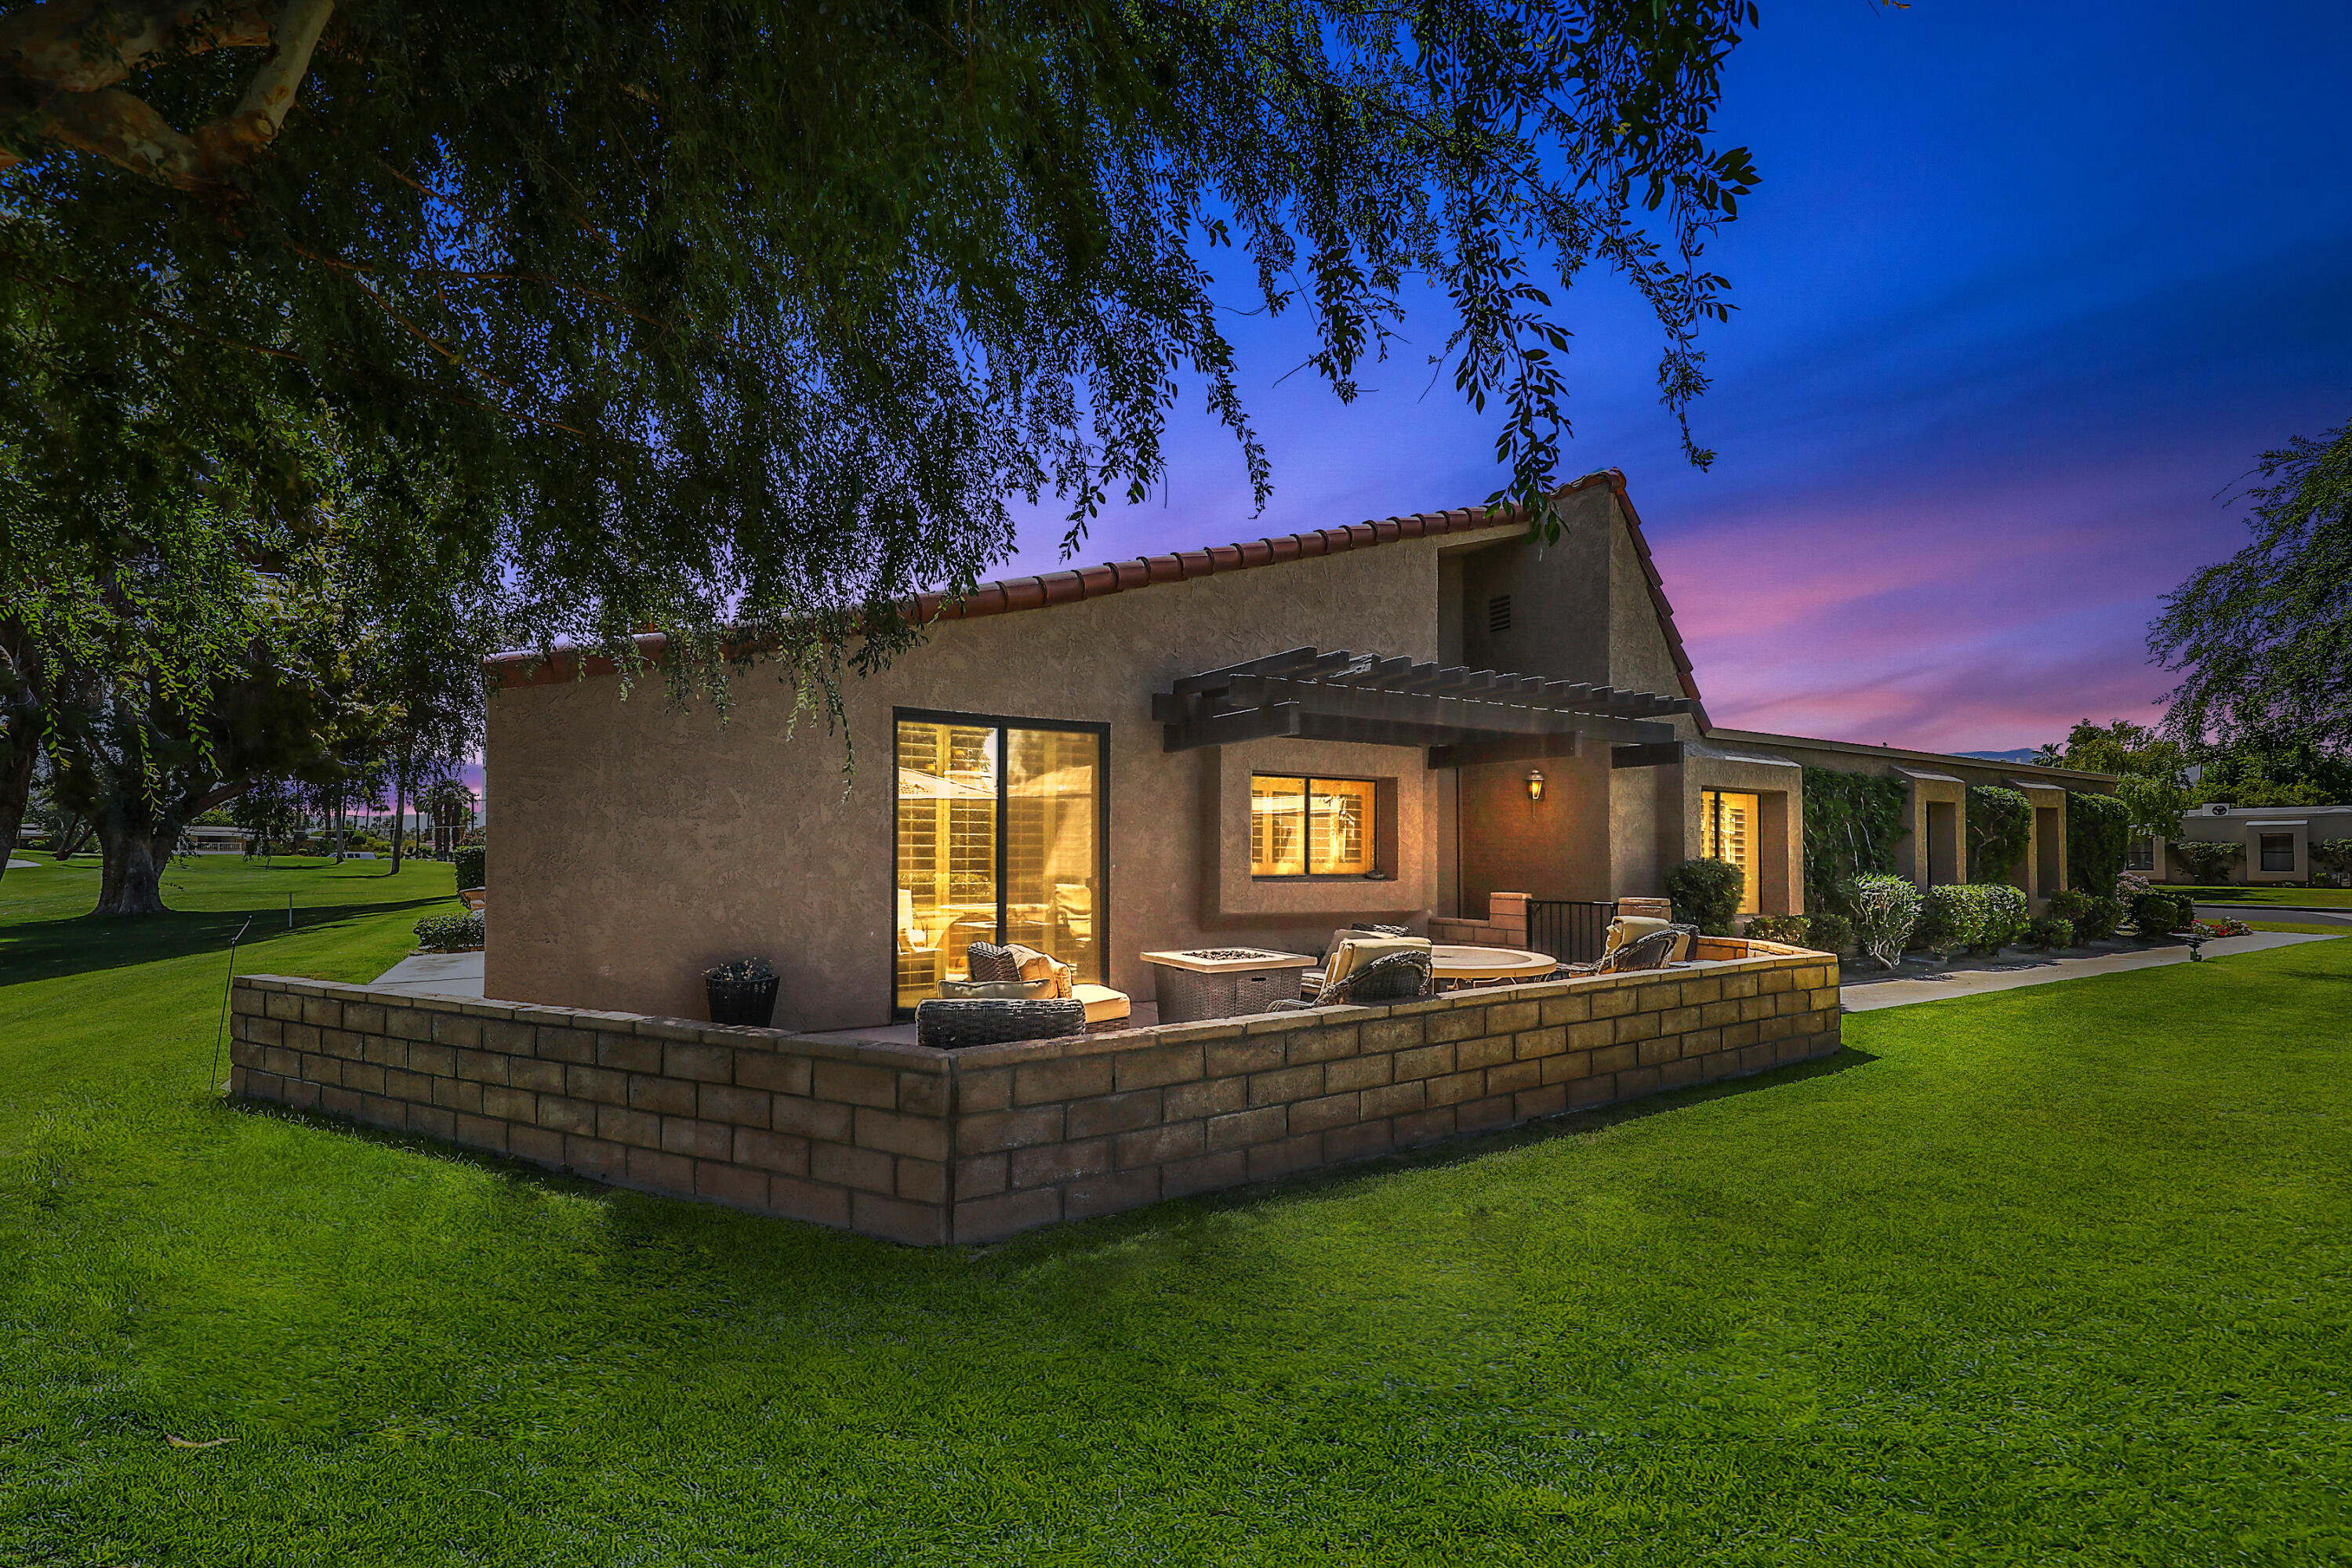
<point x="2273" y="842"/>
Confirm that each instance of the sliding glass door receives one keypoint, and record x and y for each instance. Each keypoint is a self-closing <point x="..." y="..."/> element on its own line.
<point x="1000" y="838"/>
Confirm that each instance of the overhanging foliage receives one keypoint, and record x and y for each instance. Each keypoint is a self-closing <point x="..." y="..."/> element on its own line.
<point x="758" y="311"/>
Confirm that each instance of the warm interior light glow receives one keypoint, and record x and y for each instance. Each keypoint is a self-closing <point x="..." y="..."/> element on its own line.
<point x="1534" y="783"/>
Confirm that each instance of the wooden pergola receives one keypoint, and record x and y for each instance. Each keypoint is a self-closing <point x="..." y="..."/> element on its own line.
<point x="1462" y="716"/>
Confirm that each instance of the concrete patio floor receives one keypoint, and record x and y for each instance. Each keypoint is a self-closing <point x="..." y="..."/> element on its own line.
<point x="460" y="974"/>
<point x="435" y="975"/>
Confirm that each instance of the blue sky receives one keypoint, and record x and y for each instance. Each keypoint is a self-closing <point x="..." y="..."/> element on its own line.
<point x="2024" y="288"/>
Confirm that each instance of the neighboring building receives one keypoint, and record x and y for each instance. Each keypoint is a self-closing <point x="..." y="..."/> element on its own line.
<point x="2274" y="841"/>
<point x="1170" y="752"/>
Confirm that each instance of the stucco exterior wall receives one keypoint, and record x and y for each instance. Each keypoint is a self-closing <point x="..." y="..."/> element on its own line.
<point x="638" y="844"/>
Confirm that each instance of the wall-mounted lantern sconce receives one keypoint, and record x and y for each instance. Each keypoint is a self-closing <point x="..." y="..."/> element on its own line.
<point x="1534" y="783"/>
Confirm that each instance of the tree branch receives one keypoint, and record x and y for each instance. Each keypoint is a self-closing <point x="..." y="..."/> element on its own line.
<point x="60" y="68"/>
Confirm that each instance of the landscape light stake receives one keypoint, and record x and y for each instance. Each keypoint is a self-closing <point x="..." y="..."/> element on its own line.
<point x="225" y="991"/>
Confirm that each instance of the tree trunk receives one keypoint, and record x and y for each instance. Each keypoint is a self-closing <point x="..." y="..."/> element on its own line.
<point x="399" y="812"/>
<point x="132" y="882"/>
<point x="16" y="793"/>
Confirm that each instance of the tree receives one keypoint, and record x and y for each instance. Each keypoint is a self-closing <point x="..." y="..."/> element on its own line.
<point x="2267" y="768"/>
<point x="2151" y="773"/>
<point x="758" y="311"/>
<point x="2263" y="640"/>
<point x="139" y="763"/>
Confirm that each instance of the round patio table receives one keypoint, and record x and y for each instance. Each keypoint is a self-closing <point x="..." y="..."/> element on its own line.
<point x="1451" y="963"/>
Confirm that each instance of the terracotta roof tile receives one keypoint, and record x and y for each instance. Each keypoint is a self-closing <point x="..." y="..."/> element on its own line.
<point x="1070" y="587"/>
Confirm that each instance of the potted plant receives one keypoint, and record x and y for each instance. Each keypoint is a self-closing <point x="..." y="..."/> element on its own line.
<point x="742" y="992"/>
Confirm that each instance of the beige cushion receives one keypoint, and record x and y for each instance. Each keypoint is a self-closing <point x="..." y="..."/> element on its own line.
<point x="1006" y="990"/>
<point x="1036" y="965"/>
<point x="1355" y="951"/>
<point x="1103" y="1005"/>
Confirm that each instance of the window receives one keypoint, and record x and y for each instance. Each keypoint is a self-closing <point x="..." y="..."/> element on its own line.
<point x="1000" y="838"/>
<point x="1498" y="614"/>
<point x="2278" y="851"/>
<point x="1727" y="830"/>
<point x="2141" y="856"/>
<point x="1310" y="827"/>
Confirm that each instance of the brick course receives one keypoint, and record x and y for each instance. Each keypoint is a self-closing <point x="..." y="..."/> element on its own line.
<point x="928" y="1147"/>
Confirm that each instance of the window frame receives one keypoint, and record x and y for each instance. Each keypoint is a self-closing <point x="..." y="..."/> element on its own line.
<point x="1381" y="800"/>
<point x="1000" y="722"/>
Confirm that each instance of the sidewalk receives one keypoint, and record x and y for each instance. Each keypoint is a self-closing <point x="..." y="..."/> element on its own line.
<point x="1871" y="995"/>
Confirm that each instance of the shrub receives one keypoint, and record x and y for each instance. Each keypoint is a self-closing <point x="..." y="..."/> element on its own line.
<point x="470" y="863"/>
<point x="449" y="933"/>
<point x="2001" y="826"/>
<point x="1853" y="823"/>
<point x="1953" y="918"/>
<point x="1790" y="928"/>
<point x="1706" y="894"/>
<point x="2056" y="931"/>
<point x="2207" y="863"/>
<point x="2098" y="839"/>
<point x="1885" y="909"/>
<point x="2094" y="918"/>
<point x="2006" y="916"/>
<point x="2158" y="915"/>
<point x="1830" y="931"/>
<point x="2332" y="859"/>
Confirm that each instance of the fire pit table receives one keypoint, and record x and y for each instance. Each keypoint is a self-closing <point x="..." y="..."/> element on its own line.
<point x="1459" y="965"/>
<point x="1223" y="982"/>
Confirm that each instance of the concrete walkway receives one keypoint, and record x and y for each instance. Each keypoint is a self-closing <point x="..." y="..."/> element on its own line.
<point x="434" y="974"/>
<point x="1871" y="995"/>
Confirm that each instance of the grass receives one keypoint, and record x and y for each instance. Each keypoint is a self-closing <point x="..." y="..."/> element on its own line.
<point x="2291" y="897"/>
<point x="2338" y="929"/>
<point x="2053" y="1275"/>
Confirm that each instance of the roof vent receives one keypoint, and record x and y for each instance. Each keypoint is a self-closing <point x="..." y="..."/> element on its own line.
<point x="1498" y="614"/>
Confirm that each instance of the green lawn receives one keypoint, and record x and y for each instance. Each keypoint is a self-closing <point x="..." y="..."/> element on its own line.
<point x="2059" y="1274"/>
<point x="2292" y="898"/>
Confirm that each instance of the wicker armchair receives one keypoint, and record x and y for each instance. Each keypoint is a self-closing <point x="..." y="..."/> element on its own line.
<point x="1391" y="977"/>
<point x="1653" y="951"/>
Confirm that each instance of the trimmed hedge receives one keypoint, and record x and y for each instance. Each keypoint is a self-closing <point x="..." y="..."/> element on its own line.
<point x="468" y="860"/>
<point x="1830" y="931"/>
<point x="2052" y="931"/>
<point x="2094" y="917"/>
<point x="1979" y="917"/>
<point x="450" y="933"/>
<point x="2158" y="915"/>
<point x="1706" y="894"/>
<point x="2001" y="826"/>
<point x="2098" y="839"/>
<point x="1853" y="824"/>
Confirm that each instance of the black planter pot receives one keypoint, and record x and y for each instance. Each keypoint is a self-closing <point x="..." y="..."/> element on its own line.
<point x="742" y="1002"/>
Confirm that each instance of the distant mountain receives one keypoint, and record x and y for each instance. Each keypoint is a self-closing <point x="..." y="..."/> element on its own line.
<point x="2022" y="754"/>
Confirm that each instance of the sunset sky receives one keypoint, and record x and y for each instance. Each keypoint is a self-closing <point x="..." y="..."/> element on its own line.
<point x="2024" y="289"/>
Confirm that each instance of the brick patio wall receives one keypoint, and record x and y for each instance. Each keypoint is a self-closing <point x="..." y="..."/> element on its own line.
<point x="929" y="1147"/>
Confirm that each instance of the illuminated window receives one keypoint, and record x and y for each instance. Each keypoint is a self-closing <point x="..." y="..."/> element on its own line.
<point x="1310" y="827"/>
<point x="1728" y="829"/>
<point x="1000" y="839"/>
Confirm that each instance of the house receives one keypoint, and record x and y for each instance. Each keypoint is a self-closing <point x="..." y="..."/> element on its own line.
<point x="2273" y="842"/>
<point x="1244" y="744"/>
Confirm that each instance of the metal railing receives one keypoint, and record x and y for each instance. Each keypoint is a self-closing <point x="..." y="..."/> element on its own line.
<point x="1570" y="930"/>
